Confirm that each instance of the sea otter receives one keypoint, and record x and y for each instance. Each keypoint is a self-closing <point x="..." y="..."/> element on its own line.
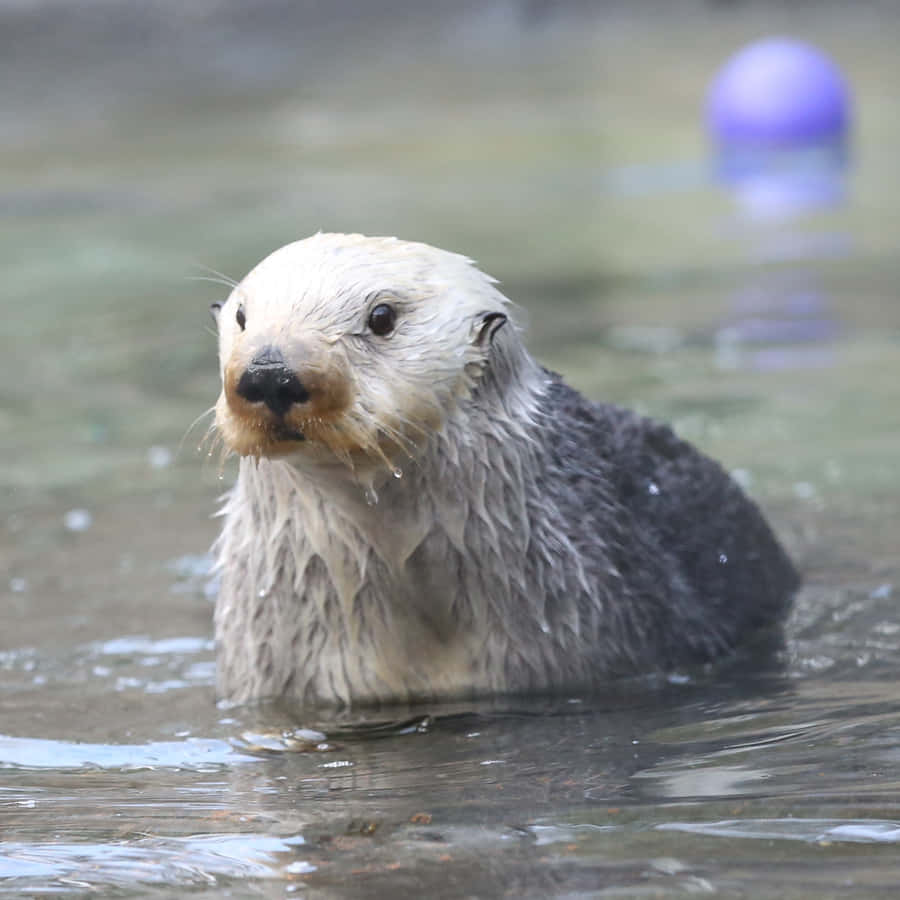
<point x="424" y="512"/>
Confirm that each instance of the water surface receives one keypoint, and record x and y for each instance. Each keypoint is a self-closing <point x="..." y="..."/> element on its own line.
<point x="562" y="150"/>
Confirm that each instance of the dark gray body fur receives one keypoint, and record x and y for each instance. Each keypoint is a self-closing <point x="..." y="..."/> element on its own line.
<point x="699" y="569"/>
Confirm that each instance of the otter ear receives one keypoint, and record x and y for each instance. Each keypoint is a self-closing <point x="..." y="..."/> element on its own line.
<point x="485" y="326"/>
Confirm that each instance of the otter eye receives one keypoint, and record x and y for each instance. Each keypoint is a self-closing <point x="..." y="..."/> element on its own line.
<point x="382" y="319"/>
<point x="241" y="317"/>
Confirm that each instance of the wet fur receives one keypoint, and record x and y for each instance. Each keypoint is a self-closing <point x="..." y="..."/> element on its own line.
<point x="535" y="541"/>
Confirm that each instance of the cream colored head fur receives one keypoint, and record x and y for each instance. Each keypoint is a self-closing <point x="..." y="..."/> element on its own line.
<point x="372" y="398"/>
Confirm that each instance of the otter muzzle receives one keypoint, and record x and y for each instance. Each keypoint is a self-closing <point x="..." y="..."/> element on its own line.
<point x="269" y="381"/>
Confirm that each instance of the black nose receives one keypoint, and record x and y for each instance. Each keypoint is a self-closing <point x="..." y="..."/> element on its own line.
<point x="268" y="380"/>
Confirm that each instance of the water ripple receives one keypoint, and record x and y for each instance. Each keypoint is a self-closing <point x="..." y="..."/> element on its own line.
<point x="195" y="860"/>
<point x="816" y="831"/>
<point x="36" y="753"/>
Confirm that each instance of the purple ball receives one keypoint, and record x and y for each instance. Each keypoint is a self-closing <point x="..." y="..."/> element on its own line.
<point x="778" y="93"/>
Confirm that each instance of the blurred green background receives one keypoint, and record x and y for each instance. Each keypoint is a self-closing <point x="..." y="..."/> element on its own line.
<point x="143" y="143"/>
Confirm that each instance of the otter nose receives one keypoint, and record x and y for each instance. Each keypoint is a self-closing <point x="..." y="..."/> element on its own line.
<point x="268" y="380"/>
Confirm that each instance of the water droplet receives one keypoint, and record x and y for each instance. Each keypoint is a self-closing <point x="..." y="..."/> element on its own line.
<point x="653" y="488"/>
<point x="723" y="558"/>
<point x="262" y="593"/>
<point x="397" y="472"/>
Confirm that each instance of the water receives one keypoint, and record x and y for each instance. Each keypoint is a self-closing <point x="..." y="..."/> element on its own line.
<point x="562" y="151"/>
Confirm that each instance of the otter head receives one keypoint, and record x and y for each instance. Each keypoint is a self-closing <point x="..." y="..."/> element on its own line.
<point x="351" y="350"/>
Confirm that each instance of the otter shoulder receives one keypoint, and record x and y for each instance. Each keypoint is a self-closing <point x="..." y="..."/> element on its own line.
<point x="654" y="491"/>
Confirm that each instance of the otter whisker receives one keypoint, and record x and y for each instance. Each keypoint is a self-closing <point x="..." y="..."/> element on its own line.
<point x="210" y="280"/>
<point x="410" y="444"/>
<point x="193" y="425"/>
<point x="344" y="456"/>
<point x="409" y="424"/>
<point x="212" y="440"/>
<point x="220" y="278"/>
<point x="210" y="436"/>
<point x="224" y="453"/>
<point x="404" y="443"/>
<point x="215" y="451"/>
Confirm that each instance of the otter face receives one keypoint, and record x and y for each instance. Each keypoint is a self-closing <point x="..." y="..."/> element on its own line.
<point x="351" y="349"/>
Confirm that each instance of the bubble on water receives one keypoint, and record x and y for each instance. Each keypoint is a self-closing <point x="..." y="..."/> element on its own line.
<point x="159" y="457"/>
<point x="15" y="522"/>
<point x="191" y="565"/>
<point x="804" y="490"/>
<point x="78" y="520"/>
<point x="653" y="488"/>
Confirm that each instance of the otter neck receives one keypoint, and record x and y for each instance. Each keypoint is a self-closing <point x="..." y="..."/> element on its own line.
<point x="477" y="465"/>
